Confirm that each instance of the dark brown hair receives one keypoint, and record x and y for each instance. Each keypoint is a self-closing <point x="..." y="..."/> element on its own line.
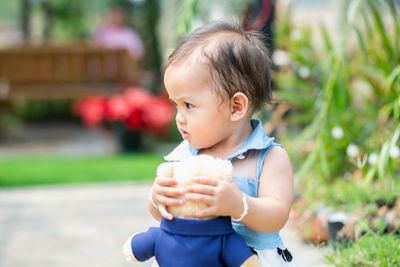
<point x="238" y="60"/>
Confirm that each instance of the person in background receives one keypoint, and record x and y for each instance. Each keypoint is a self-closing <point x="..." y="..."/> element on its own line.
<point x="115" y="34"/>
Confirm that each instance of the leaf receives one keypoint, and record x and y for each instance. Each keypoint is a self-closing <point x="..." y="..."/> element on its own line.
<point x="324" y="163"/>
<point x="353" y="10"/>
<point x="384" y="113"/>
<point x="367" y="23"/>
<point x="306" y="167"/>
<point x="362" y="44"/>
<point x="382" y="161"/>
<point x="396" y="22"/>
<point x="392" y="77"/>
<point x="188" y="10"/>
<point x="384" y="154"/>
<point x="370" y="176"/>
<point x="326" y="38"/>
<point x="381" y="30"/>
<point x="375" y="76"/>
<point x="341" y="93"/>
<point x="395" y="137"/>
<point x="396" y="109"/>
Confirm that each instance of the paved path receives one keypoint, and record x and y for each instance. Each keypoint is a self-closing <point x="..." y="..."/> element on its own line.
<point x="58" y="139"/>
<point x="86" y="225"/>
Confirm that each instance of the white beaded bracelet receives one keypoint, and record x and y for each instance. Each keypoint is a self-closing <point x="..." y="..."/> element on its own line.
<point x="152" y="200"/>
<point x="245" y="209"/>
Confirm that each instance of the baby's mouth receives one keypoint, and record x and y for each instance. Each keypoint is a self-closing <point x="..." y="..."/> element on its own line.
<point x="185" y="135"/>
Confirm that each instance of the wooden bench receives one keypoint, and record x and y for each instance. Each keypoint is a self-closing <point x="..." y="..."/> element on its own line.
<point x="64" y="71"/>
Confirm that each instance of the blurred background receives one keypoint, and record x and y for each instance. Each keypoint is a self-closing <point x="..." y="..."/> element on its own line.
<point x="85" y="121"/>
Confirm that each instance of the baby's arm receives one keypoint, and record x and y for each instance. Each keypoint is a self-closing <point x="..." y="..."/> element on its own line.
<point x="268" y="212"/>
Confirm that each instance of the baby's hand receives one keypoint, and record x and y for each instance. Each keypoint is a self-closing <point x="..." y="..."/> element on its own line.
<point x="165" y="194"/>
<point x="222" y="198"/>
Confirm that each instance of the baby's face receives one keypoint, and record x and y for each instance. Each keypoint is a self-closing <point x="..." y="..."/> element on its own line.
<point x="203" y="116"/>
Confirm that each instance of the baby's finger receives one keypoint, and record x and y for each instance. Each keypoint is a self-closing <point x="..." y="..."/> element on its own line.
<point x="206" y="199"/>
<point x="201" y="189"/>
<point x="165" y="181"/>
<point x="205" y="180"/>
<point x="168" y="191"/>
<point x="210" y="211"/>
<point x="164" y="212"/>
<point x="168" y="201"/>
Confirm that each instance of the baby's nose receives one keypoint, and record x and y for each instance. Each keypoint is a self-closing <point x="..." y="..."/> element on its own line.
<point x="179" y="118"/>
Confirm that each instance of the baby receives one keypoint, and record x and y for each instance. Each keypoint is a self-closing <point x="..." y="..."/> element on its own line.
<point x="218" y="77"/>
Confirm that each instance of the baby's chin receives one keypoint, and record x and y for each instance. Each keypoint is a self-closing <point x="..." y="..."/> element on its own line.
<point x="196" y="145"/>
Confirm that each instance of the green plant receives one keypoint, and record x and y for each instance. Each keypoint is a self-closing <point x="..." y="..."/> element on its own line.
<point x="343" y="125"/>
<point x="370" y="250"/>
<point x="69" y="20"/>
<point x="349" y="196"/>
<point x="347" y="106"/>
<point x="191" y="10"/>
<point x="40" y="110"/>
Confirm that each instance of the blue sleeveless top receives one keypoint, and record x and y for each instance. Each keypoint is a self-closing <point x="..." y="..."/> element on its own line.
<point x="258" y="141"/>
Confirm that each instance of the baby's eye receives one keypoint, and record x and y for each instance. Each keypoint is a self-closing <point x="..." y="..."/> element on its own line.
<point x="188" y="106"/>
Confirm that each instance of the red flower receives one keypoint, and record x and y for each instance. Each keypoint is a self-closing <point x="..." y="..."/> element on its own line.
<point x="116" y="108"/>
<point x="158" y="114"/>
<point x="135" y="119"/>
<point x="137" y="97"/>
<point x="137" y="108"/>
<point x="91" y="109"/>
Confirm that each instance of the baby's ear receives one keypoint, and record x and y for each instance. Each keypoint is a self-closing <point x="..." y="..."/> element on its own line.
<point x="239" y="105"/>
<point x="166" y="169"/>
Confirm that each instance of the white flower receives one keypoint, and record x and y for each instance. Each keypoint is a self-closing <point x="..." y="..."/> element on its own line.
<point x="281" y="58"/>
<point x="352" y="150"/>
<point x="394" y="152"/>
<point x="373" y="158"/>
<point x="295" y="35"/>
<point x="337" y="132"/>
<point x="304" y="72"/>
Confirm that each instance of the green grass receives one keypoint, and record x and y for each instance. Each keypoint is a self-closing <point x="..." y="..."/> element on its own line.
<point x="53" y="170"/>
<point x="370" y="250"/>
